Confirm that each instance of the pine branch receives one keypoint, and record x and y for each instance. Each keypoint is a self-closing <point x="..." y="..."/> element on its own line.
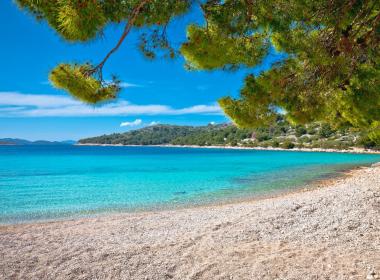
<point x="127" y="29"/>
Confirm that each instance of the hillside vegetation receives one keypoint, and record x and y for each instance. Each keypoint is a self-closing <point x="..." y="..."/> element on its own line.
<point x="282" y="135"/>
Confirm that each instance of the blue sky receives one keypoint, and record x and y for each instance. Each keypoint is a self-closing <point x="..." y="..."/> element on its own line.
<point x="159" y="91"/>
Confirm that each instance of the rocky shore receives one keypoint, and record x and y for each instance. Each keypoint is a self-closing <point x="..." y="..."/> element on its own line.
<point x="354" y="150"/>
<point x="327" y="232"/>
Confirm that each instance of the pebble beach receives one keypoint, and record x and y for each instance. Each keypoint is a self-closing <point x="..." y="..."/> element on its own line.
<point x="326" y="232"/>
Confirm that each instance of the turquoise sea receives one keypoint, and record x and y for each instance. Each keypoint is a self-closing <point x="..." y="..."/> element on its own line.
<point x="50" y="182"/>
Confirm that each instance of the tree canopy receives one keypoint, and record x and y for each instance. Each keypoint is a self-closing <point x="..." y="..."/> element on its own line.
<point x="331" y="72"/>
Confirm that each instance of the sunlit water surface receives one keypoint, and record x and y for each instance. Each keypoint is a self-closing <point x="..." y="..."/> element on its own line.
<point x="50" y="182"/>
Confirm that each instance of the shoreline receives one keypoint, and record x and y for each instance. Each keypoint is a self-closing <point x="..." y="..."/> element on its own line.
<point x="310" y="185"/>
<point x="354" y="150"/>
<point x="329" y="231"/>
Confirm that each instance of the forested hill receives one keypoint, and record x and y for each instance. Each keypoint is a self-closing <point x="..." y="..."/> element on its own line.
<point x="23" y="142"/>
<point x="280" y="135"/>
<point x="159" y="134"/>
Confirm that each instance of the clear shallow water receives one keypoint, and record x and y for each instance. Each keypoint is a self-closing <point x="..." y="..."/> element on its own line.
<point x="48" y="182"/>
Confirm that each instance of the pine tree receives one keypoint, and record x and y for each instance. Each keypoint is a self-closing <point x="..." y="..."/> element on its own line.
<point x="331" y="72"/>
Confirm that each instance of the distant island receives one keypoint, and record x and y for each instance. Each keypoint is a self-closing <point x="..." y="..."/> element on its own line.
<point x="23" y="142"/>
<point x="281" y="135"/>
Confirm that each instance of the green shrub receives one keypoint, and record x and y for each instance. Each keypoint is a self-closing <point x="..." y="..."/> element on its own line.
<point x="325" y="131"/>
<point x="374" y="133"/>
<point x="329" y="144"/>
<point x="299" y="145"/>
<point x="263" y="137"/>
<point x="311" y="131"/>
<point x="287" y="145"/>
<point x="264" y="144"/>
<point x="300" y="130"/>
<point x="305" y="139"/>
<point x="314" y="138"/>
<point x="234" y="143"/>
<point x="275" y="144"/>
<point x="366" y="142"/>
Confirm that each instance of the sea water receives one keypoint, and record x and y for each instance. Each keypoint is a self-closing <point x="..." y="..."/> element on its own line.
<point x="53" y="182"/>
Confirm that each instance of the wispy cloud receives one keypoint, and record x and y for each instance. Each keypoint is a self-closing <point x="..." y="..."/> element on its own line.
<point x="14" y="104"/>
<point x="153" y="123"/>
<point x="126" y="84"/>
<point x="136" y="122"/>
<point x="129" y="85"/>
<point x="36" y="100"/>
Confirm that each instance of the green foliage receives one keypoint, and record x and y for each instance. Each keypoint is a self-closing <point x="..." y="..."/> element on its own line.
<point x="374" y="133"/>
<point x="325" y="131"/>
<point x="288" y="145"/>
<point x="275" y="144"/>
<point x="209" y="49"/>
<point x="262" y="136"/>
<point x="300" y="130"/>
<point x="230" y="135"/>
<point x="78" y="20"/>
<point x="153" y="135"/>
<point x="74" y="20"/>
<point x="81" y="21"/>
<point x="244" y="112"/>
<point x="366" y="142"/>
<point x="331" y="73"/>
<point x="81" y="85"/>
<point x="305" y="139"/>
<point x="311" y="129"/>
<point x="80" y="24"/>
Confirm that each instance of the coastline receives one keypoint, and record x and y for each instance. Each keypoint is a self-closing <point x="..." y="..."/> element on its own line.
<point x="354" y="150"/>
<point x="331" y="231"/>
<point x="310" y="185"/>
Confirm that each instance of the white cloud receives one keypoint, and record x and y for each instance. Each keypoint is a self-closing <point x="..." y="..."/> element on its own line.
<point x="198" y="109"/>
<point x="153" y="123"/>
<point x="136" y="122"/>
<point x="213" y="123"/>
<point x="128" y="85"/>
<point x="11" y="109"/>
<point x="125" y="84"/>
<point x="37" y="100"/>
<point x="14" y="104"/>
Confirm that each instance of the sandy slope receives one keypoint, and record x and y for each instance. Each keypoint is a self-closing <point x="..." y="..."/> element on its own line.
<point x="326" y="233"/>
